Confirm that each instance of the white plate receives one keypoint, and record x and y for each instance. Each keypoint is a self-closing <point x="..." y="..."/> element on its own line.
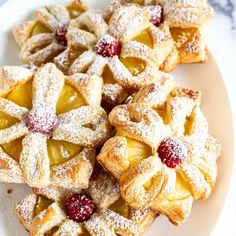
<point x="205" y="77"/>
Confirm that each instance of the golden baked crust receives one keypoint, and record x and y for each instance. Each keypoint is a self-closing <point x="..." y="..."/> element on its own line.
<point x="68" y="107"/>
<point x="187" y="21"/>
<point x="144" y="47"/>
<point x="160" y="111"/>
<point x="112" y="217"/>
<point x="36" y="37"/>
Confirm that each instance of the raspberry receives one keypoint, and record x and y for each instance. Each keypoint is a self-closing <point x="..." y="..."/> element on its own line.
<point x="60" y="34"/>
<point x="108" y="46"/>
<point x="80" y="207"/>
<point x="155" y="14"/>
<point x="172" y="152"/>
<point x="41" y="120"/>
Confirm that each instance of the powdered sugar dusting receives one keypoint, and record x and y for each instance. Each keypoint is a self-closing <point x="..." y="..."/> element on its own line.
<point x="12" y="109"/>
<point x="86" y="126"/>
<point x="41" y="119"/>
<point x="155" y="14"/>
<point x="172" y="152"/>
<point x="187" y="12"/>
<point x="139" y="215"/>
<point x="103" y="220"/>
<point x="182" y="126"/>
<point x="48" y="41"/>
<point x="119" y="222"/>
<point x="25" y="210"/>
<point x="108" y="46"/>
<point x="38" y="125"/>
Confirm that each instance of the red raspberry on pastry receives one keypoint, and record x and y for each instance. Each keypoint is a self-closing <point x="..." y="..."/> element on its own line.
<point x="172" y="152"/>
<point x="108" y="46"/>
<point x="41" y="120"/>
<point x="155" y="14"/>
<point x="60" y="34"/>
<point x="80" y="207"/>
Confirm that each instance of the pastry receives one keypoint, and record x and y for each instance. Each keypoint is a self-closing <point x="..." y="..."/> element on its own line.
<point x="99" y="210"/>
<point x="43" y="38"/>
<point x="50" y="125"/>
<point x="162" y="153"/>
<point x="187" y="21"/>
<point x="127" y="51"/>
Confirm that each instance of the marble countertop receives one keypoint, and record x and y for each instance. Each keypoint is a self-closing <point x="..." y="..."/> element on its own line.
<point x="222" y="42"/>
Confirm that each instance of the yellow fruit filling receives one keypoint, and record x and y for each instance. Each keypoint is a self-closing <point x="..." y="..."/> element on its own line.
<point x="74" y="9"/>
<point x="39" y="28"/>
<point x="134" y="65"/>
<point x="108" y="76"/>
<point x="140" y="2"/>
<point x="69" y="99"/>
<point x="181" y="191"/>
<point x="153" y="182"/>
<point x="120" y="207"/>
<point x="145" y="37"/>
<point x="85" y="28"/>
<point x="52" y="231"/>
<point x="58" y="151"/>
<point x="74" y="54"/>
<point x="13" y="148"/>
<point x="22" y="95"/>
<point x="137" y="151"/>
<point x="188" y="126"/>
<point x="6" y="121"/>
<point x="182" y="36"/>
<point x="61" y="151"/>
<point x="42" y="204"/>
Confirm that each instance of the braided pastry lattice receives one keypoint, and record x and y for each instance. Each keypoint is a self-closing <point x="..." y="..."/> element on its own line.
<point x="44" y="212"/>
<point x="50" y="125"/>
<point x="162" y="113"/>
<point x="187" y="21"/>
<point x="43" y="38"/>
<point x="144" y="47"/>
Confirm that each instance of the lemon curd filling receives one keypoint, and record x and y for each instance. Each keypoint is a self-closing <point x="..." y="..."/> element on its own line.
<point x="120" y="207"/>
<point x="108" y="76"/>
<point x="145" y="38"/>
<point x="182" y="36"/>
<point x="74" y="9"/>
<point x="13" y="148"/>
<point x="39" y="28"/>
<point x="140" y="2"/>
<point x="6" y="121"/>
<point x="58" y="151"/>
<point x="22" y="95"/>
<point x="137" y="151"/>
<point x="181" y="190"/>
<point x="61" y="151"/>
<point x="134" y="65"/>
<point x="69" y="99"/>
<point x="74" y="54"/>
<point x="42" y="204"/>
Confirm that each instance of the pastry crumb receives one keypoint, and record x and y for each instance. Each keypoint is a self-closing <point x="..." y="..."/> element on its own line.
<point x="9" y="191"/>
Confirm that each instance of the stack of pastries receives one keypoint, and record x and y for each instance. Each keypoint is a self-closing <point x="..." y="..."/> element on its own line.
<point x="97" y="126"/>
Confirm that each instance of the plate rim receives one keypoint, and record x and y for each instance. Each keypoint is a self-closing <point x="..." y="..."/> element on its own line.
<point x="233" y="124"/>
